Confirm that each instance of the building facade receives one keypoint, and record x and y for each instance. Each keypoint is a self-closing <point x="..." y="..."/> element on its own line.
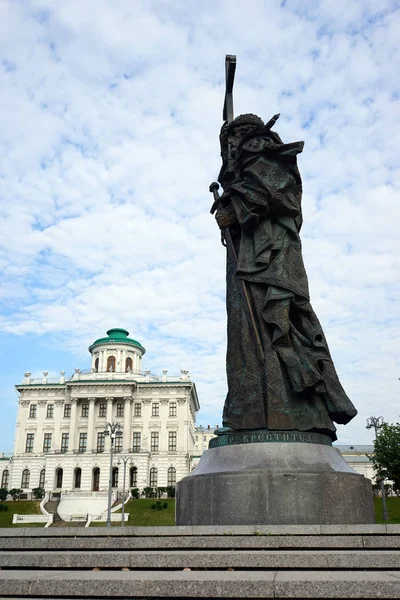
<point x="61" y="442"/>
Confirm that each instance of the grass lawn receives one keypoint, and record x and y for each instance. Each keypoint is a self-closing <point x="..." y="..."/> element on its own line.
<point x="393" y="508"/>
<point x="21" y="507"/>
<point x="141" y="514"/>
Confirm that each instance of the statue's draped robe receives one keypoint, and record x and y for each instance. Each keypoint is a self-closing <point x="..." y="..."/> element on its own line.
<point x="296" y="387"/>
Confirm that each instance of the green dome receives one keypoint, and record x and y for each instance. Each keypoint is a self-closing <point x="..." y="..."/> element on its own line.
<point x="118" y="335"/>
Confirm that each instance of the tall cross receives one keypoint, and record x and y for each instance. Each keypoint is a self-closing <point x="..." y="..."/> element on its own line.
<point x="230" y="67"/>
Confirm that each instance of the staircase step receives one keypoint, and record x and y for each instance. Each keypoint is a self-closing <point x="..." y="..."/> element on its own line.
<point x="196" y="584"/>
<point x="105" y="542"/>
<point x="251" y="559"/>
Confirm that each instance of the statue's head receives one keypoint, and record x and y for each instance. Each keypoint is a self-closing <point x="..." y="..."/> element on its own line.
<point x="240" y="128"/>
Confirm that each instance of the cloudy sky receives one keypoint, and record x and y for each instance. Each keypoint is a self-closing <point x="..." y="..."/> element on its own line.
<point x="109" y="122"/>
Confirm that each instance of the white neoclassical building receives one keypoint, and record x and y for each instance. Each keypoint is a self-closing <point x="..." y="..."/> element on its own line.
<point x="60" y="441"/>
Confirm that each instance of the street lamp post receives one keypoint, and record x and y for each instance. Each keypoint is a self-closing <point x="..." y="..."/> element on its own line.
<point x="376" y="423"/>
<point x="112" y="430"/>
<point x="124" y="459"/>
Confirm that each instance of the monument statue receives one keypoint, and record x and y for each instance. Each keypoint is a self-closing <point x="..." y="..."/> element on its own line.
<point x="279" y="369"/>
<point x="273" y="461"/>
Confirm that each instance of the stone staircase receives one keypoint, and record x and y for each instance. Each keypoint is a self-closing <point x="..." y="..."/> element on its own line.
<point x="313" y="561"/>
<point x="51" y="507"/>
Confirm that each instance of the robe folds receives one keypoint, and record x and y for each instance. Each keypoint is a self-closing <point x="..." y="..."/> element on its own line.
<point x="296" y="386"/>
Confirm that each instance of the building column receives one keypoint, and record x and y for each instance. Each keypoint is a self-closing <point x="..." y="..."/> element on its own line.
<point x="57" y="423"/>
<point x="123" y="359"/>
<point x="72" y="426"/>
<point x="127" y="423"/>
<point x="101" y="361"/>
<point x="109" y="410"/>
<point x="90" y="424"/>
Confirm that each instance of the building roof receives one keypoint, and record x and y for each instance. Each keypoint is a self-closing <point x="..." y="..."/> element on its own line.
<point x="356" y="449"/>
<point x="119" y="336"/>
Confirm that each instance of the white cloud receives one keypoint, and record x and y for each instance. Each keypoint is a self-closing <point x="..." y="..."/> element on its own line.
<point x="109" y="122"/>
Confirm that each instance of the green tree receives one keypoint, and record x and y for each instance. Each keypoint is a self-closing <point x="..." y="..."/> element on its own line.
<point x="386" y="457"/>
<point x="3" y="494"/>
<point x="15" y="493"/>
<point x="38" y="493"/>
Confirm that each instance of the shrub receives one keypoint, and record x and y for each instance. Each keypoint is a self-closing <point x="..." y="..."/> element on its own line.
<point x="170" y="491"/>
<point x="3" y="494"/>
<point x="135" y="493"/>
<point x="3" y="507"/>
<point x="150" y="492"/>
<point x="159" y="505"/>
<point x="38" y="493"/>
<point x="15" y="493"/>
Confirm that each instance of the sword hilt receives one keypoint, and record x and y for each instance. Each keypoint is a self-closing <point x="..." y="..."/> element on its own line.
<point x="214" y="187"/>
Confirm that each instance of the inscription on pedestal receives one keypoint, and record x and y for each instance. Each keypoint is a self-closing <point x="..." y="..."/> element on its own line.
<point x="266" y="436"/>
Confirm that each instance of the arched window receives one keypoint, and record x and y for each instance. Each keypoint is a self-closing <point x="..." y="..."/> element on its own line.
<point x="133" y="477"/>
<point x="96" y="479"/>
<point x="171" y="476"/>
<point x="96" y="365"/>
<point x="77" y="478"/>
<point x="153" y="477"/>
<point x="111" y="363"/>
<point x="25" y="479"/>
<point x="59" y="478"/>
<point x="128" y="364"/>
<point x="5" y="478"/>
<point x="115" y="477"/>
<point x="42" y="478"/>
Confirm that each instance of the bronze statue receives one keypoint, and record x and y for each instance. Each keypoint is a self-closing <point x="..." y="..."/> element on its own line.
<point x="279" y="369"/>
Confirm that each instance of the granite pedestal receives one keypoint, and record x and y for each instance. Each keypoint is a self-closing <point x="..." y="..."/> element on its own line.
<point x="281" y="483"/>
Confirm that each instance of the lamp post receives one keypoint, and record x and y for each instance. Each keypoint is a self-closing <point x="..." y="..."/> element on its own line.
<point x="376" y="423"/>
<point x="125" y="460"/>
<point x="112" y="430"/>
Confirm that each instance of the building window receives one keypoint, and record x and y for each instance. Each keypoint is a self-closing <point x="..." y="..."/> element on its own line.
<point x="120" y="409"/>
<point x="154" y="441"/>
<point x="118" y="443"/>
<point x="111" y="363"/>
<point x="59" y="478"/>
<point x="172" y="409"/>
<point x="50" y="411"/>
<point x="32" y="411"/>
<point x="96" y="365"/>
<point x="101" y="441"/>
<point x="77" y="478"/>
<point x="136" y="442"/>
<point x="128" y="365"/>
<point x="64" y="442"/>
<point x="82" y="442"/>
<point x="5" y="478"/>
<point x="25" y="479"/>
<point x="115" y="477"/>
<point x="67" y="410"/>
<point x="102" y="410"/>
<point x="171" y="480"/>
<point x="133" y="477"/>
<point x="85" y="410"/>
<point x="172" y="441"/>
<point x="96" y="479"/>
<point x="138" y="409"/>
<point x="42" y="478"/>
<point x="29" y="442"/>
<point x="153" y="477"/>
<point x="47" y="442"/>
<point x="155" y="409"/>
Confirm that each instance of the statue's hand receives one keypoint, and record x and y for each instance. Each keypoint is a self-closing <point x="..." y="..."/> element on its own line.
<point x="225" y="217"/>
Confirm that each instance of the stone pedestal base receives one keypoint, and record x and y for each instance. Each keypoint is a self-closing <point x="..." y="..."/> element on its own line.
<point x="273" y="484"/>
